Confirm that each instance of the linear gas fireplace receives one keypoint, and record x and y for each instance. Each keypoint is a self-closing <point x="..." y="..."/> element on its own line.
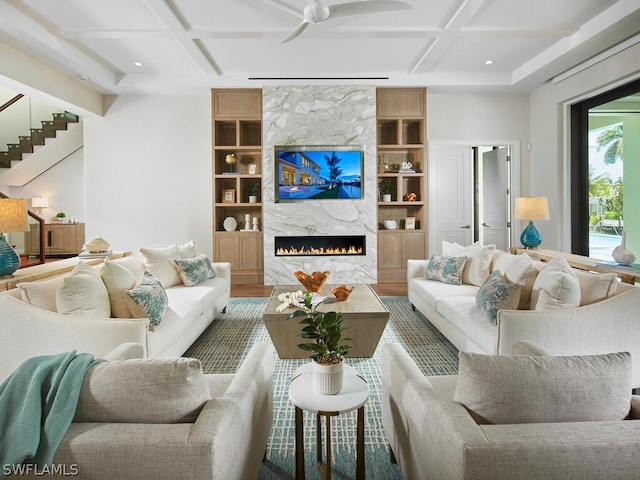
<point x="320" y="245"/>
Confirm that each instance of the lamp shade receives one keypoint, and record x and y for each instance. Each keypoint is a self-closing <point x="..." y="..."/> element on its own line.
<point x="531" y="208"/>
<point x="13" y="215"/>
<point x="39" y="202"/>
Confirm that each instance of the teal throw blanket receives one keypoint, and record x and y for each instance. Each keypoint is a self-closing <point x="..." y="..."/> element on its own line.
<point x="37" y="404"/>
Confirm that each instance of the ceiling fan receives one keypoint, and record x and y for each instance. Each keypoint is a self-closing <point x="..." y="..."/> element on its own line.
<point x="316" y="12"/>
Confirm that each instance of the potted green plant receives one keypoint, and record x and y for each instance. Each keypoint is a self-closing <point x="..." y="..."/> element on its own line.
<point x="254" y="191"/>
<point x="385" y="190"/>
<point x="60" y="216"/>
<point x="327" y="345"/>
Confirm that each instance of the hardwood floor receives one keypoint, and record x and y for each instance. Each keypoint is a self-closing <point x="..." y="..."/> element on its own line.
<point x="382" y="289"/>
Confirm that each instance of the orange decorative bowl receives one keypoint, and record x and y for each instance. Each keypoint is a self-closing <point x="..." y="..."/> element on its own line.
<point x="342" y="292"/>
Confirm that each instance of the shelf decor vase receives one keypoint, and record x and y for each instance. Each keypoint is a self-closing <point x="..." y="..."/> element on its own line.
<point x="327" y="379"/>
<point x="621" y="254"/>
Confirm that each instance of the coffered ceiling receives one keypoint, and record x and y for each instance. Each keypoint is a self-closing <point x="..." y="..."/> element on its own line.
<point x="188" y="46"/>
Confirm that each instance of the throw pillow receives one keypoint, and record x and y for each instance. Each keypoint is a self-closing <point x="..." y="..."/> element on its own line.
<point x="194" y="270"/>
<point x="186" y="250"/>
<point x="118" y="279"/>
<point x="478" y="263"/>
<point x="41" y="294"/>
<point x="445" y="269"/>
<point x="147" y="300"/>
<point x="519" y="269"/>
<point x="159" y="263"/>
<point x="502" y="389"/>
<point x="82" y="292"/>
<point x="497" y="294"/>
<point x="595" y="287"/>
<point x="159" y="390"/>
<point x="556" y="287"/>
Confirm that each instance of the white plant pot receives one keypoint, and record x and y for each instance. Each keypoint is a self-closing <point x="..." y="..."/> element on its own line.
<point x="386" y="197"/>
<point x="327" y="379"/>
<point x="253" y="198"/>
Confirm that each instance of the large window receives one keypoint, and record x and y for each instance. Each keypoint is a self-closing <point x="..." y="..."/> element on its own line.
<point x="605" y="162"/>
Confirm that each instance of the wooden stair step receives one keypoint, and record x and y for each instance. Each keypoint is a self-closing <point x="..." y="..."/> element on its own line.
<point x="5" y="160"/>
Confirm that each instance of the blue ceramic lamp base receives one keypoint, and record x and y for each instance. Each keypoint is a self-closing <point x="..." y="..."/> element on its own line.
<point x="530" y="237"/>
<point x="9" y="259"/>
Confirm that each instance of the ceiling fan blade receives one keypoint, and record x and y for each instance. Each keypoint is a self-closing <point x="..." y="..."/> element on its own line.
<point x="368" y="6"/>
<point x="296" y="31"/>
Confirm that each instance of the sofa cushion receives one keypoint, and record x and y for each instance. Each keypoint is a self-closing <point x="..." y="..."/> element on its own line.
<point x="159" y="263"/>
<point x="556" y="286"/>
<point x="41" y="294"/>
<point x="431" y="291"/>
<point x="497" y="294"/>
<point x="118" y="279"/>
<point x="501" y="389"/>
<point x="148" y="299"/>
<point x="194" y="270"/>
<point x="465" y="315"/>
<point x="159" y="390"/>
<point x="595" y="287"/>
<point x="519" y="269"/>
<point x="478" y="263"/>
<point x="83" y="292"/>
<point x="445" y="269"/>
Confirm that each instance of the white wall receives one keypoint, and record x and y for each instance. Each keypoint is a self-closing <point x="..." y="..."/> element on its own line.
<point x="148" y="172"/>
<point x="548" y="171"/>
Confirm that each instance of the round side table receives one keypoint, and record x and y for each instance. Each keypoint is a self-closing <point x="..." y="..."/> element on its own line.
<point x="353" y="396"/>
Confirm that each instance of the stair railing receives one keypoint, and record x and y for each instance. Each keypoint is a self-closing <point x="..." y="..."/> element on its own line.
<point x="41" y="252"/>
<point x="11" y="102"/>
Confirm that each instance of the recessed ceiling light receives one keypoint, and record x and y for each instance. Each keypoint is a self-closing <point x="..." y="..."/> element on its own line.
<point x="84" y="78"/>
<point x="488" y="62"/>
<point x="138" y="64"/>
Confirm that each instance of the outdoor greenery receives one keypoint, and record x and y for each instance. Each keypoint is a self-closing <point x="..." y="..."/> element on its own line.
<point x="325" y="332"/>
<point x="609" y="192"/>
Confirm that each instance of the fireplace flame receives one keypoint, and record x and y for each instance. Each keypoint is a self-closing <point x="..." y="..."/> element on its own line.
<point x="352" y="250"/>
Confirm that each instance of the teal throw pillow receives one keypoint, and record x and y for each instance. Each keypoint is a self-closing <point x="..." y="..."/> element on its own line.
<point x="194" y="270"/>
<point x="147" y="300"/>
<point x="497" y="294"/>
<point x="445" y="269"/>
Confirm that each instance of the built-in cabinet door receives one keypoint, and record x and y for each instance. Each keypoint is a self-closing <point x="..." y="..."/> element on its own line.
<point x="412" y="246"/>
<point x="228" y="250"/>
<point x="389" y="250"/>
<point x="450" y="196"/>
<point x="251" y="257"/>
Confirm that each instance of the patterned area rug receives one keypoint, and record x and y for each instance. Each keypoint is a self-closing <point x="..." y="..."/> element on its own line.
<point x="223" y="346"/>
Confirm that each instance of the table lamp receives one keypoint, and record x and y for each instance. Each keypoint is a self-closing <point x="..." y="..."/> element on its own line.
<point x="13" y="218"/>
<point x="39" y="203"/>
<point x="531" y="208"/>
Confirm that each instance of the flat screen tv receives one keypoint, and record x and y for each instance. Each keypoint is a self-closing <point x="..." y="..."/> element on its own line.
<point x="318" y="172"/>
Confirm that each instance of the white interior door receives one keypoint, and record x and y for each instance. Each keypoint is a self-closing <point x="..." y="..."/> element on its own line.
<point x="495" y="198"/>
<point x="450" y="195"/>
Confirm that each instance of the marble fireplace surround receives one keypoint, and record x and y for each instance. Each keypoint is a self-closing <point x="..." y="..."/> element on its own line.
<point x="320" y="115"/>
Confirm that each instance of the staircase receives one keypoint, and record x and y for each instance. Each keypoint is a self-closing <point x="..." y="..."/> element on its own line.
<point x="25" y="144"/>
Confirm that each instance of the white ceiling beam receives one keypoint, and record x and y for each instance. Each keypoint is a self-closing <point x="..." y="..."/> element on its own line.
<point x="36" y="37"/>
<point x="433" y="52"/>
<point x="174" y="22"/>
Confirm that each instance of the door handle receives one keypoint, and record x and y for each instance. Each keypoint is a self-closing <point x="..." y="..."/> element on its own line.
<point x="466" y="226"/>
<point x="484" y="224"/>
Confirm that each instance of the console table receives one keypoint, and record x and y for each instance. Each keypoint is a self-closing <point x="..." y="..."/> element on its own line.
<point x="626" y="274"/>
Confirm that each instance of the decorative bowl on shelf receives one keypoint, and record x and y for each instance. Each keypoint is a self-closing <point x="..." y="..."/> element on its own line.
<point x="230" y="224"/>
<point x="390" y="224"/>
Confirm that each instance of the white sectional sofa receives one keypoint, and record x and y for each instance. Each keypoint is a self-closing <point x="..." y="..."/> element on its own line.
<point x="29" y="330"/>
<point x="606" y="320"/>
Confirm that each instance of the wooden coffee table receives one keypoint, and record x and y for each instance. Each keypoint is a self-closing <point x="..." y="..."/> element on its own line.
<point x="364" y="315"/>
